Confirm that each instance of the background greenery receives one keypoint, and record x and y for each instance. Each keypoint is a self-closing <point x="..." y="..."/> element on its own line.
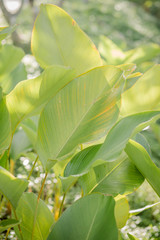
<point x="129" y="24"/>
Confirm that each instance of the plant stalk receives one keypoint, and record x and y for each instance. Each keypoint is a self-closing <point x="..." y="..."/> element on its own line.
<point x="61" y="206"/>
<point x="32" y="168"/>
<point x="19" y="227"/>
<point x="38" y="198"/>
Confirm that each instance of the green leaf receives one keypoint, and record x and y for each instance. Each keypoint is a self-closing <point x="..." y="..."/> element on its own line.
<point x="5" y="31"/>
<point x="144" y="164"/>
<point x="131" y="237"/>
<point x="137" y="211"/>
<point x="144" y="95"/>
<point x="89" y="218"/>
<point x="20" y="144"/>
<point x="82" y="111"/>
<point x="9" y="80"/>
<point x="29" y="96"/>
<point x="121" y="211"/>
<point x="30" y="126"/>
<point x="118" y="177"/>
<point x="110" y="51"/>
<point x="5" y="126"/>
<point x="10" y="56"/>
<point x="4" y="159"/>
<point x="8" y="223"/>
<point x="26" y="211"/>
<point x="81" y="162"/>
<point x="119" y="135"/>
<point x="11" y="187"/>
<point x="142" y="54"/>
<point x="51" y="46"/>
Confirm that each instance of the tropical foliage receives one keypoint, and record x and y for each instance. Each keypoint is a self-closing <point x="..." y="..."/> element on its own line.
<point x="80" y="118"/>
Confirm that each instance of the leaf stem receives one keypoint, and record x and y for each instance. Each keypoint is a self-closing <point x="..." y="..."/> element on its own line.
<point x="61" y="206"/>
<point x="38" y="198"/>
<point x="7" y="233"/>
<point x="32" y="168"/>
<point x="19" y="227"/>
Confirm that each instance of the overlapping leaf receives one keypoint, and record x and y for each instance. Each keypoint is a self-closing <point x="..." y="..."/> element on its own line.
<point x="29" y="96"/>
<point x="57" y="39"/>
<point x="82" y="111"/>
<point x="119" y="135"/>
<point x="144" y="95"/>
<point x="5" y="126"/>
<point x="11" y="187"/>
<point x="118" y="177"/>
<point x="144" y="164"/>
<point x="26" y="211"/>
<point x="89" y="218"/>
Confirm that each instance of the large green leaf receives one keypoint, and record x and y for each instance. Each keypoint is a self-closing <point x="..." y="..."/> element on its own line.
<point x="9" y="80"/>
<point x="11" y="187"/>
<point x="121" y="210"/>
<point x="20" y="144"/>
<point x="5" y="126"/>
<point x="115" y="55"/>
<point x="5" y="31"/>
<point x="57" y="39"/>
<point x="89" y="218"/>
<point x="8" y="223"/>
<point x="82" y="111"/>
<point x="119" y="135"/>
<point x="81" y="162"/>
<point x="144" y="164"/>
<point x="118" y="177"/>
<point x="10" y="57"/>
<point x="144" y="95"/>
<point x="26" y="211"/>
<point x="29" y="96"/>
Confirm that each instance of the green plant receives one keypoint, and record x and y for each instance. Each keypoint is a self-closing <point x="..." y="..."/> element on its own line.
<point x="79" y="120"/>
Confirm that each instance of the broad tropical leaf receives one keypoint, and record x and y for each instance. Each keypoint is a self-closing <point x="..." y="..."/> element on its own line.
<point x="10" y="56"/>
<point x="11" y="187"/>
<point x="89" y="218"/>
<point x="29" y="96"/>
<point x="82" y="111"/>
<point x="119" y="135"/>
<point x="118" y="177"/>
<point x="81" y="162"/>
<point x="5" y="31"/>
<point x="121" y="210"/>
<point x="9" y="80"/>
<point x="26" y="211"/>
<point x="144" y="164"/>
<point x="20" y="144"/>
<point x="8" y="223"/>
<point x="144" y="95"/>
<point x="5" y="126"/>
<point x="57" y="39"/>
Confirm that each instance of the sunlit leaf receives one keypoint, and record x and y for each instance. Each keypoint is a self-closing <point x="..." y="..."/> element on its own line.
<point x="5" y="126"/>
<point x="11" y="187"/>
<point x="5" y="31"/>
<point x="121" y="210"/>
<point x="144" y="95"/>
<point x="89" y="218"/>
<point x="26" y="211"/>
<point x="118" y="177"/>
<point x="10" y="57"/>
<point x="29" y="96"/>
<point x="9" y="80"/>
<point x="119" y="135"/>
<point x="82" y="111"/>
<point x="144" y="164"/>
<point x="57" y="39"/>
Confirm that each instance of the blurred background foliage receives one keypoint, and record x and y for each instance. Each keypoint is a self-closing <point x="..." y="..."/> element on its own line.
<point x="128" y="24"/>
